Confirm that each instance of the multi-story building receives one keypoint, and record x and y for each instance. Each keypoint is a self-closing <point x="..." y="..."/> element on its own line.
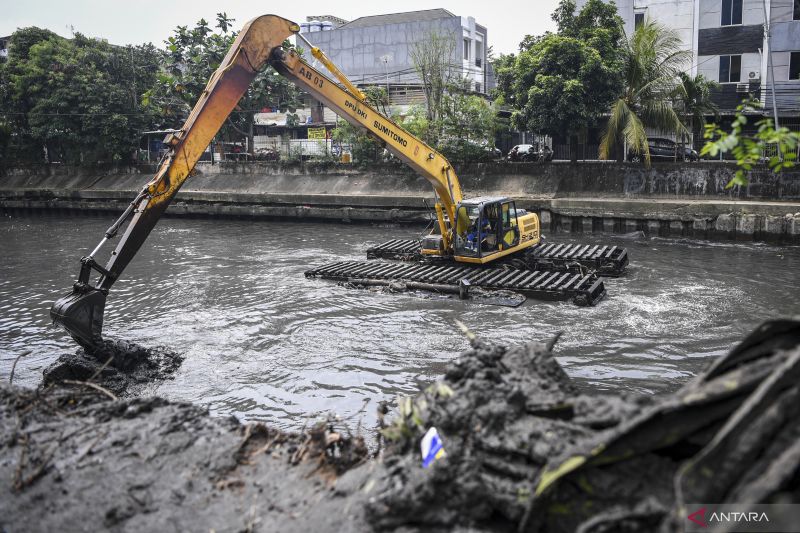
<point x="730" y="45"/>
<point x="377" y="50"/>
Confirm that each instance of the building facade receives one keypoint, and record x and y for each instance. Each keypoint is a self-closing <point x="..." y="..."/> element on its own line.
<point x="730" y="45"/>
<point x="377" y="50"/>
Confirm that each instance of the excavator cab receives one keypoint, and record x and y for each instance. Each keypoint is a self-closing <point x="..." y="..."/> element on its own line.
<point x="485" y="226"/>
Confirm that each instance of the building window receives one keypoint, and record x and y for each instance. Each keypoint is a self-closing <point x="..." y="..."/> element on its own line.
<point x="478" y="54"/>
<point x="466" y="49"/>
<point x="638" y="19"/>
<point x="796" y="10"/>
<point x="731" y="12"/>
<point x="794" y="66"/>
<point x="730" y="69"/>
<point x="477" y="87"/>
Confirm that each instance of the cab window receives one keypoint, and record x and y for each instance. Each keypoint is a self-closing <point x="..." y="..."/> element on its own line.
<point x="509" y="235"/>
<point x="466" y="235"/>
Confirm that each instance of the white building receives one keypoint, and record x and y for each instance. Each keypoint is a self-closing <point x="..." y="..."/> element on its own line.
<point x="376" y="50"/>
<point x="729" y="45"/>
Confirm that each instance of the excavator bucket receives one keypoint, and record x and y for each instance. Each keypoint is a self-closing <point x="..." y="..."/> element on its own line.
<point x="81" y="314"/>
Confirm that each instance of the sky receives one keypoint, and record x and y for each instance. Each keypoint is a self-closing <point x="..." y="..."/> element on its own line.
<point x="141" y="21"/>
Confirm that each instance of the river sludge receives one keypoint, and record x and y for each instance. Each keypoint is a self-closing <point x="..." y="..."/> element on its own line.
<point x="526" y="450"/>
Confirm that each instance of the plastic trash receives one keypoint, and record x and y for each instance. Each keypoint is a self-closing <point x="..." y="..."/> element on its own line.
<point x="432" y="448"/>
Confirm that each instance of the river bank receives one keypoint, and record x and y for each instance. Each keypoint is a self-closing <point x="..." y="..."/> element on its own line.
<point x="525" y="451"/>
<point x="667" y="200"/>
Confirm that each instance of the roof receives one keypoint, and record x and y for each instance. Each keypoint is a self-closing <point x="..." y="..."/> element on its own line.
<point x="399" y="18"/>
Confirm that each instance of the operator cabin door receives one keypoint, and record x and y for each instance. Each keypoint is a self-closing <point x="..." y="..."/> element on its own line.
<point x="509" y="232"/>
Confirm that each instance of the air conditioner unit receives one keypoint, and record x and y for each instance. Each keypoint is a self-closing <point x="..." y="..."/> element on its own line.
<point x="742" y="87"/>
<point x="754" y="76"/>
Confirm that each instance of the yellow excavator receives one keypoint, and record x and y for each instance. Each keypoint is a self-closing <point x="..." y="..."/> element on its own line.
<point x="475" y="231"/>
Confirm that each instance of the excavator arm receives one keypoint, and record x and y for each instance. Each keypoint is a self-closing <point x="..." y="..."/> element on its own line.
<point x="81" y="311"/>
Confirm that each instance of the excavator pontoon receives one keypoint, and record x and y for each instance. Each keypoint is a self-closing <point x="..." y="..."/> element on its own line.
<point x="485" y="241"/>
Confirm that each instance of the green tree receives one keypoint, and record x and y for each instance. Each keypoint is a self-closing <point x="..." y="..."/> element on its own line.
<point x="653" y="60"/>
<point x="504" y="75"/>
<point x="469" y="124"/>
<point x="562" y="83"/>
<point x="692" y="101"/>
<point x="75" y="100"/>
<point x="192" y="57"/>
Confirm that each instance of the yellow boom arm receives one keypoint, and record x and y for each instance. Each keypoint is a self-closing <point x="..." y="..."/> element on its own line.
<point x="81" y="311"/>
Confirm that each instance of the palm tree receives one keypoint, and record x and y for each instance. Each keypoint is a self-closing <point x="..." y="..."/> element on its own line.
<point x="692" y="99"/>
<point x="653" y="60"/>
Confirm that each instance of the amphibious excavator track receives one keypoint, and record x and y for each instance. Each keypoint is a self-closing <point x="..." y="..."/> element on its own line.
<point x="584" y="288"/>
<point x="606" y="260"/>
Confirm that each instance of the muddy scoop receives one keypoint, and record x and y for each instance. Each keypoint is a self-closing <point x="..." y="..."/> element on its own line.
<point x="81" y="314"/>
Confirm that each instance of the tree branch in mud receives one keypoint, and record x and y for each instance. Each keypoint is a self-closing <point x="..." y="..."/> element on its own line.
<point x="92" y="386"/>
<point x="14" y="366"/>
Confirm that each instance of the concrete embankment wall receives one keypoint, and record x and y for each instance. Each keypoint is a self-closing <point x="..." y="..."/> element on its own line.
<point x="667" y="199"/>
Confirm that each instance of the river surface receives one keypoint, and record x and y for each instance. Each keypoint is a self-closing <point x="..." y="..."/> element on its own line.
<point x="262" y="342"/>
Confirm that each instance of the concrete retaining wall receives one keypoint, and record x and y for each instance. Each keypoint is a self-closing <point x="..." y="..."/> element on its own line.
<point x="668" y="199"/>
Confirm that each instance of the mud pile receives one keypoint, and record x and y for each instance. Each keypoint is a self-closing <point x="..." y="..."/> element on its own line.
<point x="526" y="451"/>
<point x="123" y="368"/>
<point x="74" y="460"/>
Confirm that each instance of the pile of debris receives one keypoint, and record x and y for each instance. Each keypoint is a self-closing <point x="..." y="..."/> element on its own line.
<point x="524" y="450"/>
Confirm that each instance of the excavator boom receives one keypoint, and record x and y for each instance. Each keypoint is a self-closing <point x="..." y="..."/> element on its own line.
<point x="81" y="311"/>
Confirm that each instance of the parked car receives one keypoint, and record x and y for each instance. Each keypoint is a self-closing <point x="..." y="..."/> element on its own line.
<point x="530" y="152"/>
<point x="665" y="150"/>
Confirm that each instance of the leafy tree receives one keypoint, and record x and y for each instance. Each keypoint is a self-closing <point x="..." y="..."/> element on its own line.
<point x="504" y="74"/>
<point x="192" y="57"/>
<point x="692" y="100"/>
<point x="570" y="86"/>
<point x="433" y="57"/>
<point x="469" y="125"/>
<point x="5" y="142"/>
<point x="653" y="60"/>
<point x="750" y="149"/>
<point x="562" y="83"/>
<point x="75" y="100"/>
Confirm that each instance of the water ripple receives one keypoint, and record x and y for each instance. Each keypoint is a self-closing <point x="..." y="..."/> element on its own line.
<point x="262" y="342"/>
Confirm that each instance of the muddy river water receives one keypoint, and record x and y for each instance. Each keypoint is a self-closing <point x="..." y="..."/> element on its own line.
<point x="262" y="342"/>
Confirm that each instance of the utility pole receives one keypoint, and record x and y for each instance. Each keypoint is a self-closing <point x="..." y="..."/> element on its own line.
<point x="769" y="60"/>
<point x="385" y="60"/>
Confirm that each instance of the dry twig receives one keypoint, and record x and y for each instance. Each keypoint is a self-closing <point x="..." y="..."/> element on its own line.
<point x="14" y="366"/>
<point x="92" y="386"/>
<point x="99" y="370"/>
